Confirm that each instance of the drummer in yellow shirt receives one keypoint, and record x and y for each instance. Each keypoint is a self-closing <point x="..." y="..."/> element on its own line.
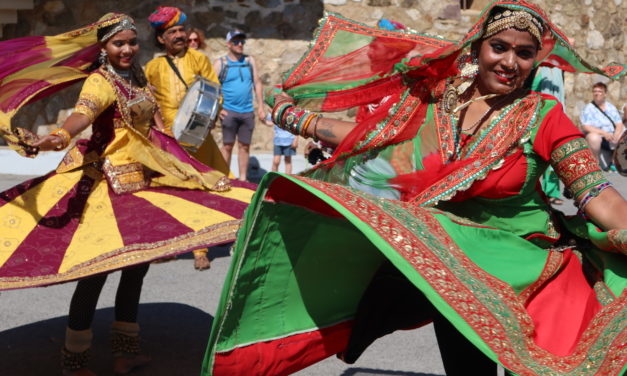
<point x="170" y="90"/>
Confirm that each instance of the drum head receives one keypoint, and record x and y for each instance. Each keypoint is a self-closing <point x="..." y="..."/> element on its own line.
<point x="620" y="155"/>
<point x="186" y="109"/>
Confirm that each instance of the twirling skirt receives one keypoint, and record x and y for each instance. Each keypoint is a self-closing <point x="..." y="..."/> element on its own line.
<point x="307" y="251"/>
<point x="65" y="226"/>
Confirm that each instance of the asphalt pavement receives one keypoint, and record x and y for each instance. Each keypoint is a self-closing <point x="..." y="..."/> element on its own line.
<point x="177" y="308"/>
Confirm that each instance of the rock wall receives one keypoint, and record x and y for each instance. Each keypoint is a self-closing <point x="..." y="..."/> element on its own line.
<point x="280" y="30"/>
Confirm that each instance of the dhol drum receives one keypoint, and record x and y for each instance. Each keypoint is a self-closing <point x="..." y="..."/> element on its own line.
<point x="620" y="155"/>
<point x="197" y="113"/>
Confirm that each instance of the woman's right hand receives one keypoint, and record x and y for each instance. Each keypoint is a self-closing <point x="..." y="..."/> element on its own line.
<point x="274" y="95"/>
<point x="48" y="143"/>
<point x="282" y="97"/>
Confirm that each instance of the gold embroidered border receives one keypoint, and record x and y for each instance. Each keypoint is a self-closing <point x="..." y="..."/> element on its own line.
<point x="499" y="316"/>
<point x="603" y="293"/>
<point x="125" y="178"/>
<point x="118" y="123"/>
<point x="592" y="179"/>
<point x="132" y="255"/>
<point x="578" y="170"/>
<point x="552" y="266"/>
<point x="88" y="105"/>
<point x="122" y="96"/>
<point x="222" y="185"/>
<point x="489" y="151"/>
<point x="566" y="149"/>
<point x="330" y="25"/>
<point x="406" y="110"/>
<point x="618" y="240"/>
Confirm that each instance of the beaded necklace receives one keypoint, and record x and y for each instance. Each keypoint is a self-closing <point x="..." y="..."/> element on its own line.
<point x="457" y="131"/>
<point x="125" y="78"/>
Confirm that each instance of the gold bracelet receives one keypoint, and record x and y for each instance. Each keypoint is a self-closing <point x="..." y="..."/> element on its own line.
<point x="64" y="135"/>
<point x="315" y="128"/>
<point x="303" y="131"/>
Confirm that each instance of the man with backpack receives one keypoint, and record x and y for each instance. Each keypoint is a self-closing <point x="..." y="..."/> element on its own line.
<point x="239" y="77"/>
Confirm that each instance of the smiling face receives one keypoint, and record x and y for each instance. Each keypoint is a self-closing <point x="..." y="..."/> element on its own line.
<point x="121" y="49"/>
<point x="505" y="61"/>
<point x="174" y="39"/>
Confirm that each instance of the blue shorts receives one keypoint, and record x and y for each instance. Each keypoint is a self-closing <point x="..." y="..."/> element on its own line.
<point x="287" y="151"/>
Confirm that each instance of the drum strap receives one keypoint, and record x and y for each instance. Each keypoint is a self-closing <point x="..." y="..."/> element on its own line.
<point x="176" y="70"/>
<point x="606" y="115"/>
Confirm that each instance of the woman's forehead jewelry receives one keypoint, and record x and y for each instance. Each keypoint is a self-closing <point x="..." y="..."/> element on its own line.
<point x="515" y="19"/>
<point x="125" y="24"/>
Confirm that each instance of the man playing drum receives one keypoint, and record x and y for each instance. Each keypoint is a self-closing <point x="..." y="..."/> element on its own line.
<point x="171" y="75"/>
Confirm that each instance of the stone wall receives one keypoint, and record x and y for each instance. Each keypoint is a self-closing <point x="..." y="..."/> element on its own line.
<point x="280" y="30"/>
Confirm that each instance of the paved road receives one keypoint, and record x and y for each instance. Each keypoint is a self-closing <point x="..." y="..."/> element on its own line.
<point x="178" y="304"/>
<point x="177" y="308"/>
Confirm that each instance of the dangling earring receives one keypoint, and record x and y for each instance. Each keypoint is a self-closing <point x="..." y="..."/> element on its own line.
<point x="470" y="67"/>
<point x="102" y="58"/>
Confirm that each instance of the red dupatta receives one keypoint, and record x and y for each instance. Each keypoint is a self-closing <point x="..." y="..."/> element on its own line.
<point x="340" y="71"/>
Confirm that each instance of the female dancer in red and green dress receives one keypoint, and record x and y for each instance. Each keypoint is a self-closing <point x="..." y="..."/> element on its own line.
<point x="430" y="209"/>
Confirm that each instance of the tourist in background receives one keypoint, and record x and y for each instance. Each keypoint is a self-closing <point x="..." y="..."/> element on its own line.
<point x="284" y="144"/>
<point x="196" y="38"/>
<point x="241" y="87"/>
<point x="601" y="123"/>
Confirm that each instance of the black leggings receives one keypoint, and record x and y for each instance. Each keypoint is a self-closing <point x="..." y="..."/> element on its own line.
<point x="392" y="302"/>
<point x="85" y="298"/>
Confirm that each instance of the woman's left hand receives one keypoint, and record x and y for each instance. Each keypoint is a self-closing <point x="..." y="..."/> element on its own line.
<point x="48" y="143"/>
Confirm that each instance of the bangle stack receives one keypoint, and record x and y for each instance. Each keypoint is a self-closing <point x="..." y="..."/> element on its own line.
<point x="295" y="120"/>
<point x="64" y="135"/>
<point x="279" y="110"/>
<point x="592" y="193"/>
<point x="298" y="120"/>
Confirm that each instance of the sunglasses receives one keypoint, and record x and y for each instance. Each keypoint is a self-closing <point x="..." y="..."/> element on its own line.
<point x="192" y="40"/>
<point x="237" y="42"/>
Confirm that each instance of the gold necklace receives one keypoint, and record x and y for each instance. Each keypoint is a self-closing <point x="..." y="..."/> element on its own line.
<point x="126" y="83"/>
<point x="483" y="116"/>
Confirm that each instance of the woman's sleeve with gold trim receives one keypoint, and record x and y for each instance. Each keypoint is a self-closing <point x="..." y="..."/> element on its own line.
<point x="96" y="96"/>
<point x="576" y="166"/>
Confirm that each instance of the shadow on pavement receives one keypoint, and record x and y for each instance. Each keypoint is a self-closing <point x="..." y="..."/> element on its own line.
<point x="174" y="335"/>
<point x="382" y="372"/>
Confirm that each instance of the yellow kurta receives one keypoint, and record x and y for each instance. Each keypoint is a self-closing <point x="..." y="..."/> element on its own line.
<point x="170" y="91"/>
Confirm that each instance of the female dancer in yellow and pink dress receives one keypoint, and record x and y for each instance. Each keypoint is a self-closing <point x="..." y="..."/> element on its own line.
<point x="118" y="200"/>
